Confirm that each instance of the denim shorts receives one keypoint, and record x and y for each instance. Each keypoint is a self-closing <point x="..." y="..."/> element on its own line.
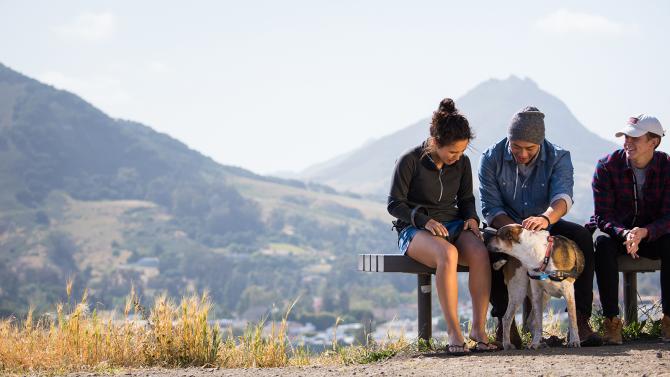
<point x="454" y="227"/>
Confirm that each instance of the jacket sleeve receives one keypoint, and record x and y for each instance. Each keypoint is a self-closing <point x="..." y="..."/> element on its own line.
<point x="562" y="180"/>
<point x="603" y="200"/>
<point x="465" y="199"/>
<point x="661" y="226"/>
<point x="398" y="205"/>
<point x="489" y="191"/>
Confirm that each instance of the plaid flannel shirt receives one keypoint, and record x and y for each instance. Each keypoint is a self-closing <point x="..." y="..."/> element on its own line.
<point x="614" y="197"/>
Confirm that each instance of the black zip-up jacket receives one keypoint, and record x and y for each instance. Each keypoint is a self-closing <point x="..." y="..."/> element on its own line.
<point x="442" y="194"/>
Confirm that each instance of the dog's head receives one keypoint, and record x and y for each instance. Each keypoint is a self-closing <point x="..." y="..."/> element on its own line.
<point x="518" y="242"/>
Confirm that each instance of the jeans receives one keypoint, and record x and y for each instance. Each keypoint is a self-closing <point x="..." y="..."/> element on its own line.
<point x="583" y="284"/>
<point x="607" y="274"/>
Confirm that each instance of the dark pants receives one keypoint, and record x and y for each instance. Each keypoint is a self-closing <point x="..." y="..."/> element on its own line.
<point x="583" y="284"/>
<point x="607" y="250"/>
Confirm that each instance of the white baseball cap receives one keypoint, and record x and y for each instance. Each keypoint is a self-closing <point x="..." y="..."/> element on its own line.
<point x="640" y="125"/>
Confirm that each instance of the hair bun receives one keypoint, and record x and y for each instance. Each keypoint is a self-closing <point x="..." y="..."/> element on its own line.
<point x="448" y="106"/>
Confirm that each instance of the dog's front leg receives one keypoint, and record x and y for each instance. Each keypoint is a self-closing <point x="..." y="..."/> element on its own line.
<point x="531" y="319"/>
<point x="569" y="294"/>
<point x="537" y="297"/>
<point x="516" y="290"/>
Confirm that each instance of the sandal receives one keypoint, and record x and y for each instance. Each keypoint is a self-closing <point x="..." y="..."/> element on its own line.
<point x="457" y="349"/>
<point x="483" y="347"/>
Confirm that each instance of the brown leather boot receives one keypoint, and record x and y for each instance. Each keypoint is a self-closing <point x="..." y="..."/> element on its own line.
<point x="587" y="337"/>
<point x="665" y="328"/>
<point x="613" y="327"/>
<point x="514" y="336"/>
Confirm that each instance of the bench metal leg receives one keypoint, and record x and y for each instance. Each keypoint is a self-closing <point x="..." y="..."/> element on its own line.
<point x="630" y="296"/>
<point x="425" y="320"/>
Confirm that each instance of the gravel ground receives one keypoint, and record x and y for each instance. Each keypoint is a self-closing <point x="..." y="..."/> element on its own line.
<point x="638" y="359"/>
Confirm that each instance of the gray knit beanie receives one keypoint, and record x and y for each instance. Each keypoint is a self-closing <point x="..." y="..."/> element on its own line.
<point x="527" y="125"/>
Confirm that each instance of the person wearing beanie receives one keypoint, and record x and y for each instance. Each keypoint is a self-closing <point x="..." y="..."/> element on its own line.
<point x="527" y="180"/>
<point x="631" y="192"/>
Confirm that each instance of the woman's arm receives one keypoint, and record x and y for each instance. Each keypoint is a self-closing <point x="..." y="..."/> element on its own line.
<point x="465" y="198"/>
<point x="397" y="201"/>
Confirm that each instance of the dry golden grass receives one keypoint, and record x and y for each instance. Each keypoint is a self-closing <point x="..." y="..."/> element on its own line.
<point x="170" y="336"/>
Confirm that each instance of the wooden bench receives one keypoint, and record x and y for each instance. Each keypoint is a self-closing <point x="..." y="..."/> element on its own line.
<point x="405" y="264"/>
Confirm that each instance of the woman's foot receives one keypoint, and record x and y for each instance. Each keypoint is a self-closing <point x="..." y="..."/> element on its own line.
<point x="481" y="342"/>
<point x="483" y="347"/>
<point x="457" y="349"/>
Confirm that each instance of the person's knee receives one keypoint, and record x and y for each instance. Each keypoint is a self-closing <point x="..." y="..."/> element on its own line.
<point x="604" y="247"/>
<point x="480" y="256"/>
<point x="664" y="254"/>
<point x="583" y="239"/>
<point x="447" y="256"/>
<point x="665" y="245"/>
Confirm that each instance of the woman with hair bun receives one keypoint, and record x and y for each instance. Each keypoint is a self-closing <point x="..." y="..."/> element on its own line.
<point x="431" y="197"/>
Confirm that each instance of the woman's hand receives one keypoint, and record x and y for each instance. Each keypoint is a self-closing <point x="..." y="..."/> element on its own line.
<point x="436" y="228"/>
<point x="473" y="226"/>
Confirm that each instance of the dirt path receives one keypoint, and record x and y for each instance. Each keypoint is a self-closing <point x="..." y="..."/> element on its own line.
<point x="645" y="358"/>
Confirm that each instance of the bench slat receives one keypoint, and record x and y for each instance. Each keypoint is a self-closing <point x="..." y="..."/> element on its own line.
<point x="395" y="263"/>
<point x="628" y="264"/>
<point x="403" y="263"/>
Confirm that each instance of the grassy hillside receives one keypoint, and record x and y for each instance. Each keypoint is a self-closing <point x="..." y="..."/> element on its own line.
<point x="115" y="204"/>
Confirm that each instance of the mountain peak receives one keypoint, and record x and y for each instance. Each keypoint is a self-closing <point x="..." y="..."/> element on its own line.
<point x="489" y="106"/>
<point x="511" y="83"/>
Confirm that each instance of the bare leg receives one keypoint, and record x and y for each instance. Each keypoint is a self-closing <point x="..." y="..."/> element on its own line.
<point x="438" y="253"/>
<point x="473" y="253"/>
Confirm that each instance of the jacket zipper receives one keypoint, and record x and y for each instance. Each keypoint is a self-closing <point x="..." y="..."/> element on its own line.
<point x="439" y="177"/>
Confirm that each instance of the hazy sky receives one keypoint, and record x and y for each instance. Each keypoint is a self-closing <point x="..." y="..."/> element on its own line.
<point x="281" y="85"/>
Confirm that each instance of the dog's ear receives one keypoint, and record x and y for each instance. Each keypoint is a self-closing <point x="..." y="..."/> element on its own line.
<point x="516" y="233"/>
<point x="511" y="232"/>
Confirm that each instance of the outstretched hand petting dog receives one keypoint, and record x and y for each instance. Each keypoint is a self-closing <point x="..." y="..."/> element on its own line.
<point x="535" y="223"/>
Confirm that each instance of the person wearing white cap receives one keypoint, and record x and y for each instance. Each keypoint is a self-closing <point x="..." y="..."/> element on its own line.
<point x="631" y="192"/>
